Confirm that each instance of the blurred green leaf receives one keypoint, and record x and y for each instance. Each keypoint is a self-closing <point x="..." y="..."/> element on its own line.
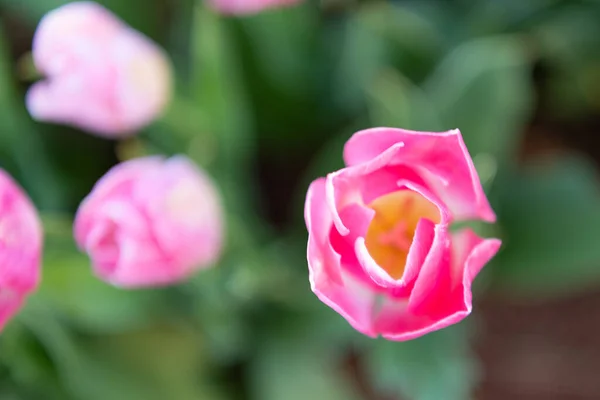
<point x="292" y="368"/>
<point x="282" y="44"/>
<point x="161" y="361"/>
<point x="363" y="53"/>
<point x="382" y="35"/>
<point x="285" y="78"/>
<point x="436" y="366"/>
<point x="143" y="15"/>
<point x="483" y="87"/>
<point x="27" y="364"/>
<point x="568" y="39"/>
<point x="396" y="102"/>
<point x="33" y="10"/>
<point x="550" y="216"/>
<point x="217" y="90"/>
<point x="70" y="287"/>
<point x="150" y="364"/>
<point x="22" y="141"/>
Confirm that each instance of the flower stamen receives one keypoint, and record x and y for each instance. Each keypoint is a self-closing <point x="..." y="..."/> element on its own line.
<point x="393" y="227"/>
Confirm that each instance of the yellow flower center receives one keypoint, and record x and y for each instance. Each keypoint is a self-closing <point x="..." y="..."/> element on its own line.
<point x="392" y="229"/>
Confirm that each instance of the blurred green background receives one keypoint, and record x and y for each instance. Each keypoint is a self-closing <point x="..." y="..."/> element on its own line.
<point x="265" y="103"/>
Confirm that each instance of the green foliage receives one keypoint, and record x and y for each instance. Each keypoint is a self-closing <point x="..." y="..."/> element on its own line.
<point x="85" y="301"/>
<point x="551" y="220"/>
<point x="267" y="101"/>
<point x="436" y="366"/>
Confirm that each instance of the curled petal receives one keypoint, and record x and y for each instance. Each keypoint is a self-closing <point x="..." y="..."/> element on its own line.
<point x="419" y="249"/>
<point x="442" y="298"/>
<point x="440" y="158"/>
<point x="329" y="281"/>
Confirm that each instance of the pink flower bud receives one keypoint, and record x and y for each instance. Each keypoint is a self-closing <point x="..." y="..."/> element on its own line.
<point x="20" y="248"/>
<point x="380" y="251"/>
<point x="101" y="75"/>
<point x="150" y="221"/>
<point x="241" y="7"/>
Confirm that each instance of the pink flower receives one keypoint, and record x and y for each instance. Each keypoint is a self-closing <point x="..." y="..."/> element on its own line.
<point x="102" y="76"/>
<point x="242" y="7"/>
<point x="20" y="248"/>
<point x="380" y="251"/>
<point x="150" y="221"/>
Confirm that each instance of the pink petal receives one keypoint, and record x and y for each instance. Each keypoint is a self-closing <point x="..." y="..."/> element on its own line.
<point x="20" y="247"/>
<point x="136" y="236"/>
<point x="116" y="184"/>
<point x="419" y="249"/>
<point x="350" y="189"/>
<point x="422" y="242"/>
<point x="102" y="76"/>
<point x="334" y="286"/>
<point x="442" y="294"/>
<point x="440" y="158"/>
<point x="191" y="231"/>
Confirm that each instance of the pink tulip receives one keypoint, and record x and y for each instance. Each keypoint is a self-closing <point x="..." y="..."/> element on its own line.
<point x="101" y="75"/>
<point x="20" y="248"/>
<point x="150" y="221"/>
<point x="244" y="7"/>
<point x="380" y="251"/>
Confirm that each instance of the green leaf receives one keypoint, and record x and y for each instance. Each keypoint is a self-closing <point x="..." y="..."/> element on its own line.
<point x="568" y="38"/>
<point x="70" y="287"/>
<point x="432" y="367"/>
<point x="363" y="53"/>
<point x="161" y="361"/>
<point x="282" y="44"/>
<point x="27" y="364"/>
<point x="217" y="90"/>
<point x="550" y="217"/>
<point x="380" y="35"/>
<point x="483" y="88"/>
<point x="295" y="369"/>
<point x="21" y="140"/>
<point x="142" y="15"/>
<point x="397" y="102"/>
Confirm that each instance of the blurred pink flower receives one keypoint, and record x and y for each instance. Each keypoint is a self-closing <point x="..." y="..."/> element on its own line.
<point x="380" y="251"/>
<point x="20" y="248"/>
<point x="150" y="221"/>
<point x="242" y="7"/>
<point x="101" y="75"/>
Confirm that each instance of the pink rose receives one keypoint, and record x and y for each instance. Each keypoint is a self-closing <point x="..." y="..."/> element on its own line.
<point x="150" y="221"/>
<point x="241" y="7"/>
<point x="380" y="251"/>
<point x="102" y="76"/>
<point x="20" y="248"/>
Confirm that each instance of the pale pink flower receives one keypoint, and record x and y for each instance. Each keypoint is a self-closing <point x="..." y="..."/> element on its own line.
<point x="20" y="248"/>
<point x="101" y="75"/>
<point x="245" y="7"/>
<point x="150" y="221"/>
<point x="380" y="251"/>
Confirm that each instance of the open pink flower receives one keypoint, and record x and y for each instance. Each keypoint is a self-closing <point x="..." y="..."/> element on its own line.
<point x="380" y="251"/>
<point x="150" y="221"/>
<point x="20" y="248"/>
<point x="101" y="75"/>
<point x="241" y="7"/>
